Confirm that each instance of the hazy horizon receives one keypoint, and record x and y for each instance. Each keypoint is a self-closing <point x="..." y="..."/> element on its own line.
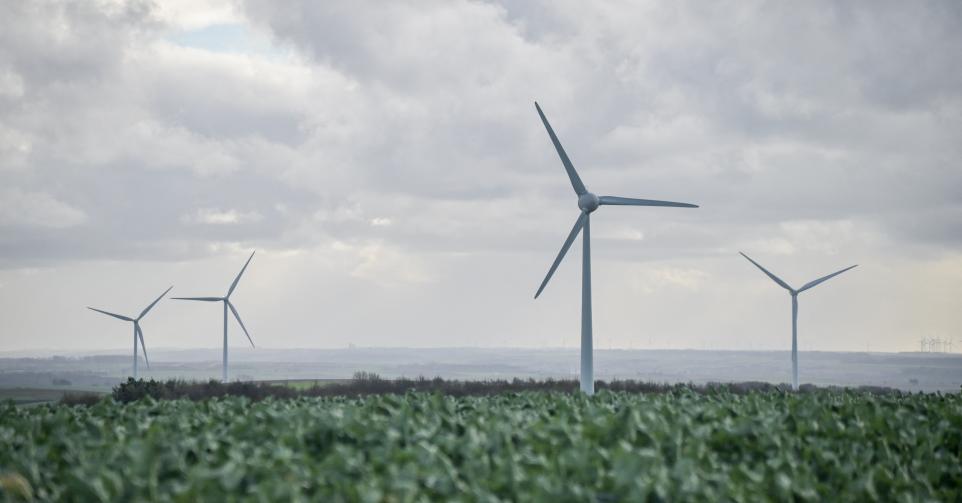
<point x="100" y="372"/>
<point x="42" y="353"/>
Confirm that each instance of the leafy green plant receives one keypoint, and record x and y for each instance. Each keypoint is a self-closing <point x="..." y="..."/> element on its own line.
<point x="531" y="446"/>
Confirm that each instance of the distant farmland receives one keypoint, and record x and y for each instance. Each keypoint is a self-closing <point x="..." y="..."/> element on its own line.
<point x="529" y="446"/>
<point x="906" y="371"/>
<point x="24" y="396"/>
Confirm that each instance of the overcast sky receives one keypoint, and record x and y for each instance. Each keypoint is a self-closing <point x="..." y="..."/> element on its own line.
<point x="386" y="161"/>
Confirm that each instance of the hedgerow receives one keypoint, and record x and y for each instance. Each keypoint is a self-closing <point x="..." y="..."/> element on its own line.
<point x="371" y="384"/>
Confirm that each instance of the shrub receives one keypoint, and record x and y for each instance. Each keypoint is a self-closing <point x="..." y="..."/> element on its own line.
<point x="84" y="399"/>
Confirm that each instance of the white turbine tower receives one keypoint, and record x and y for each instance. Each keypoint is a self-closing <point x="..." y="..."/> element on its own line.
<point x="587" y="203"/>
<point x="138" y="332"/>
<point x="227" y="305"/>
<point x="795" y="293"/>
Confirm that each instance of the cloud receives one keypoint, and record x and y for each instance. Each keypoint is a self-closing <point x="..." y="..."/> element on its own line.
<point x="436" y="128"/>
<point x="383" y="264"/>
<point x="11" y="84"/>
<point x="212" y="216"/>
<point x="654" y="280"/>
<point x="37" y="209"/>
<point x="194" y="14"/>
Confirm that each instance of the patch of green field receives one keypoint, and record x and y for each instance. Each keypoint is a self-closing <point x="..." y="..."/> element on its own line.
<point x="22" y="396"/>
<point x="301" y="384"/>
<point x="36" y="396"/>
<point x="32" y="396"/>
<point x="530" y="446"/>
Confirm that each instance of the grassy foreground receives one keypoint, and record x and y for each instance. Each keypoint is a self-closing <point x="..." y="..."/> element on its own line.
<point x="530" y="446"/>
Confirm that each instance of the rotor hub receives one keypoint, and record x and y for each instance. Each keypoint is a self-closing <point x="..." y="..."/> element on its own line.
<point x="588" y="202"/>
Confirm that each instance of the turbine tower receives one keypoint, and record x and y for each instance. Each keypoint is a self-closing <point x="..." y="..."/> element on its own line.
<point x="587" y="203"/>
<point x="795" y="293"/>
<point x="227" y="305"/>
<point x="138" y="332"/>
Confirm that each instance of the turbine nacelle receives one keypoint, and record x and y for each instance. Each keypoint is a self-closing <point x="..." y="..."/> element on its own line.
<point x="588" y="202"/>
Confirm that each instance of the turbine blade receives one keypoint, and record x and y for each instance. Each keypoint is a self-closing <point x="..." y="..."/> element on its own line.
<point x="140" y="333"/>
<point x="203" y="299"/>
<point x="564" y="249"/>
<point x="627" y="201"/>
<point x="152" y="304"/>
<point x="572" y="174"/>
<point x="237" y="316"/>
<point x="776" y="279"/>
<point x="118" y="316"/>
<point x="810" y="284"/>
<point x="241" y="273"/>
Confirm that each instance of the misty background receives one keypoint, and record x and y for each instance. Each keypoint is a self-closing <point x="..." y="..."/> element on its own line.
<point x="386" y="162"/>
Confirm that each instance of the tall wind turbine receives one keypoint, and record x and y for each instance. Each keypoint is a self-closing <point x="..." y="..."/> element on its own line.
<point x="227" y="305"/>
<point x="138" y="332"/>
<point x="795" y="293"/>
<point x="587" y="203"/>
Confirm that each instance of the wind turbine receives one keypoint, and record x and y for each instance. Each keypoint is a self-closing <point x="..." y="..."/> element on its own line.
<point x="795" y="293"/>
<point x="138" y="332"/>
<point x="587" y="203"/>
<point x="227" y="305"/>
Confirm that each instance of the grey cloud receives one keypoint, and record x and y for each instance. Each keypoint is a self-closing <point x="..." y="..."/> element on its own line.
<point x="422" y="113"/>
<point x="65" y="43"/>
<point x="36" y="209"/>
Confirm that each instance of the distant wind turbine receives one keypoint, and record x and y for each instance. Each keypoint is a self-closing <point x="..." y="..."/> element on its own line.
<point x="138" y="332"/>
<point x="227" y="305"/>
<point x="795" y="293"/>
<point x="587" y="203"/>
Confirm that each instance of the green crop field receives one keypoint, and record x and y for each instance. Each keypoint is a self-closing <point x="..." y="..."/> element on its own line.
<point x="679" y="446"/>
